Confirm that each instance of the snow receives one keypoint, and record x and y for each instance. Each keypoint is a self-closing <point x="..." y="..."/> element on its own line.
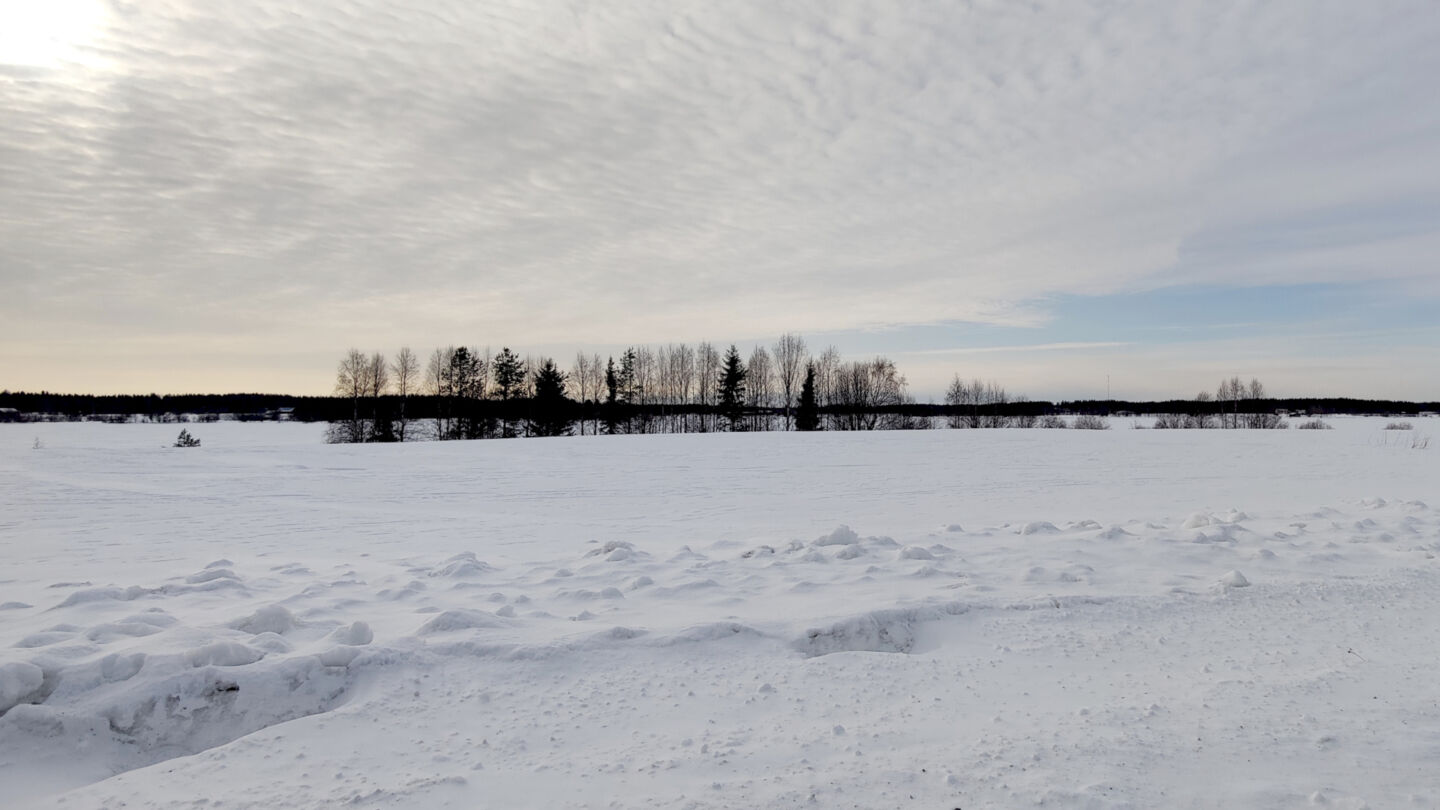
<point x="1123" y="618"/>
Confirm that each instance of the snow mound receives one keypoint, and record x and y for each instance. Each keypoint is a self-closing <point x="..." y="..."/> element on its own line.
<point x="888" y="631"/>
<point x="915" y="553"/>
<point x="223" y="654"/>
<point x="716" y="631"/>
<point x="1039" y="527"/>
<point x="462" y="619"/>
<point x="613" y="551"/>
<point x="104" y="594"/>
<point x="1231" y="580"/>
<point x="210" y="574"/>
<point x="18" y="681"/>
<point x="355" y="633"/>
<point x="106" y="633"/>
<point x="145" y="720"/>
<point x="842" y="536"/>
<point x="464" y="564"/>
<point x="1197" y="520"/>
<point x="341" y="656"/>
<point x="269" y="619"/>
<point x="588" y="595"/>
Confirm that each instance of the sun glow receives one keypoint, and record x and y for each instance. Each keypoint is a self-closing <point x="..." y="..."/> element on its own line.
<point x="49" y="33"/>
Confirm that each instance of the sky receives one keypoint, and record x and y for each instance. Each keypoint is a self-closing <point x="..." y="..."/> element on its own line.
<point x="1067" y="197"/>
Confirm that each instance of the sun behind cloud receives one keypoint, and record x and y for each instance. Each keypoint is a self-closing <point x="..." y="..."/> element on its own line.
<point x="48" y="33"/>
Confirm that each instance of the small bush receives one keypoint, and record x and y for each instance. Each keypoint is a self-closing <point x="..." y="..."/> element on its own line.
<point x="1420" y="442"/>
<point x="1051" y="421"/>
<point x="1314" y="424"/>
<point x="1200" y="421"/>
<point x="1399" y="426"/>
<point x="1169" y="421"/>
<point x="1089" y="421"/>
<point x="186" y="440"/>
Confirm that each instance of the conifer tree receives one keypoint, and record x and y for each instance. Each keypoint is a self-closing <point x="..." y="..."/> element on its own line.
<point x="731" y="387"/>
<point x="465" y="384"/>
<point x="509" y="371"/>
<point x="612" y="395"/>
<point x="807" y="413"/>
<point x="550" y="408"/>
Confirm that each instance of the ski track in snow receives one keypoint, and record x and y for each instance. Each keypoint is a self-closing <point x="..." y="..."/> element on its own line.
<point x="966" y="619"/>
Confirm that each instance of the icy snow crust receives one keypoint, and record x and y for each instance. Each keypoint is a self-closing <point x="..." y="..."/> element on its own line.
<point x="945" y="619"/>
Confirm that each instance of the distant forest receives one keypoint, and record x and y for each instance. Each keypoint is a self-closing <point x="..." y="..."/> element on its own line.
<point x="44" y="406"/>
<point x="464" y="393"/>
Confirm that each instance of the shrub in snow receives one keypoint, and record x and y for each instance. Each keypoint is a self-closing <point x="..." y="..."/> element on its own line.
<point x="1089" y="421"/>
<point x="1051" y="421"/>
<point x="1314" y="424"/>
<point x="186" y="440"/>
<point x="1399" y="426"/>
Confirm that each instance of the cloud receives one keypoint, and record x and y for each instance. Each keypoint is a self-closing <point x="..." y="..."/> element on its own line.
<point x="1032" y="347"/>
<point x="286" y="177"/>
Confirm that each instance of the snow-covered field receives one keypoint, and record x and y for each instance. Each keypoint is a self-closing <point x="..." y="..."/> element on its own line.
<point x="1014" y="618"/>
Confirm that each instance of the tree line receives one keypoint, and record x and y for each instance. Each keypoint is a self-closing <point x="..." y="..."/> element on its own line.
<point x="467" y="393"/>
<point x="674" y="388"/>
<point x="979" y="405"/>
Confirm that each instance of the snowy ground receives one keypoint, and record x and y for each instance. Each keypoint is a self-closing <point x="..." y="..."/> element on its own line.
<point x="1127" y="618"/>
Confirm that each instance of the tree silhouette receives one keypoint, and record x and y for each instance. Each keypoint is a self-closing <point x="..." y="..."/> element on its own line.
<point x="807" y="413"/>
<point x="550" y="408"/>
<point x="731" y="386"/>
<point x="509" y="372"/>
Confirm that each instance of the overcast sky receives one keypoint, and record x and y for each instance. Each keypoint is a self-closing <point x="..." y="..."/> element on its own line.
<point x="203" y="196"/>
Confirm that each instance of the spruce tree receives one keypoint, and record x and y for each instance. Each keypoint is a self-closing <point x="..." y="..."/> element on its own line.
<point x="550" y="410"/>
<point x="612" y="396"/>
<point x="807" y="412"/>
<point x="731" y="387"/>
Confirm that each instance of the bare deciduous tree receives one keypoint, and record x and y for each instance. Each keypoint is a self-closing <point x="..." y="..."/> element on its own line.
<point x="866" y="396"/>
<point x="438" y="382"/>
<point x="1201" y="418"/>
<point x="352" y="380"/>
<point x="759" y="387"/>
<point x="790" y="358"/>
<point x="682" y="377"/>
<point x="707" y="373"/>
<point x="827" y="366"/>
<point x="406" y="371"/>
<point x="1229" y="394"/>
<point x="583" y="384"/>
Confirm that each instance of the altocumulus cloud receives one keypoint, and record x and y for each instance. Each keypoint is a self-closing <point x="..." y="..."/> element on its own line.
<point x="246" y="178"/>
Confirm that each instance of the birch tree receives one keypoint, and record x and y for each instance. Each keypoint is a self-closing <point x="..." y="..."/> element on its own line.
<point x="790" y="360"/>
<point x="406" y="371"/>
